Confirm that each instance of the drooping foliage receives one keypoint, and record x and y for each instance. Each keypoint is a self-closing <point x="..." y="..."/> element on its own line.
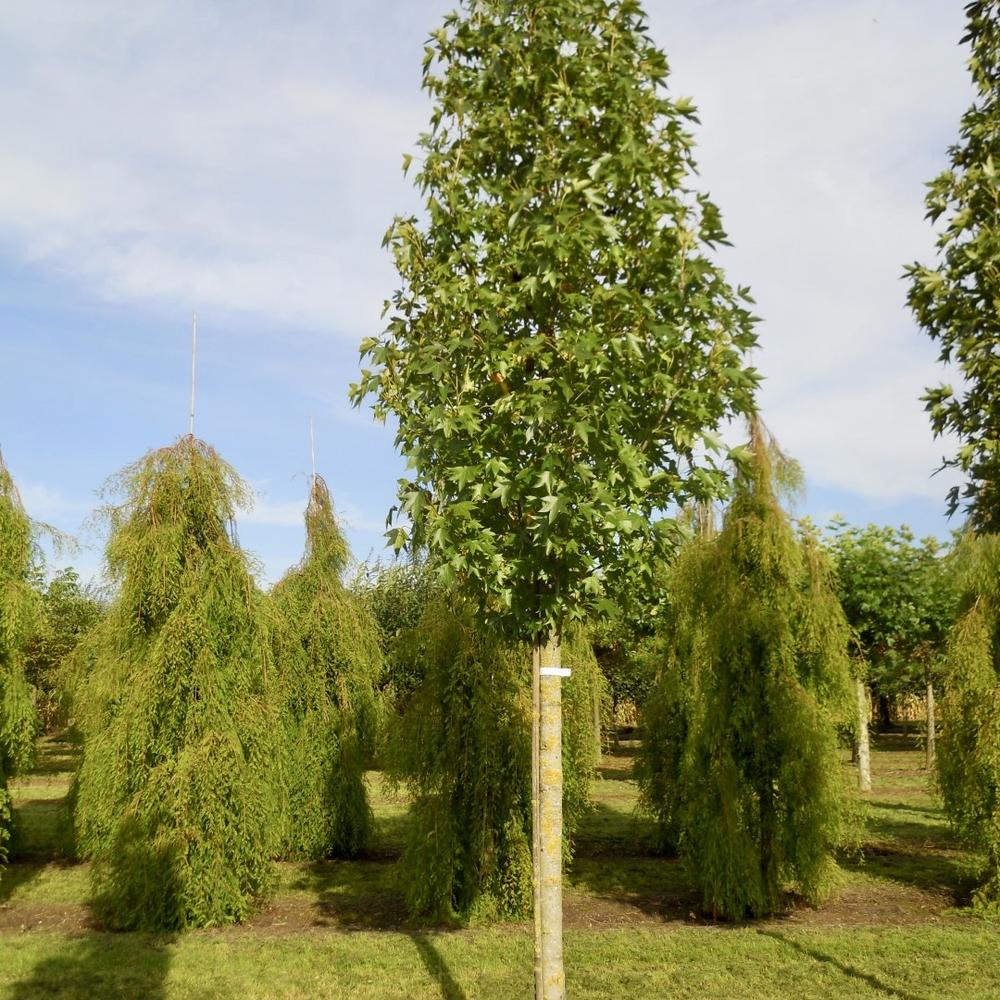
<point x="955" y="299"/>
<point x="18" y="610"/>
<point x="397" y="593"/>
<point x="329" y="674"/>
<point x="69" y="611"/>
<point x="463" y="749"/>
<point x="178" y="796"/>
<point x="739" y="764"/>
<point x="968" y="751"/>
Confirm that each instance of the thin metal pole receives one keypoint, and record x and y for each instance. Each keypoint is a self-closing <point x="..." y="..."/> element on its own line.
<point x="194" y="356"/>
<point x="312" y="445"/>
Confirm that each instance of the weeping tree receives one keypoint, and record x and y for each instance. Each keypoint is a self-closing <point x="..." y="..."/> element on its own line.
<point x="18" y="608"/>
<point x="463" y="748"/>
<point x="968" y="749"/>
<point x="561" y="344"/>
<point x="739" y="764"/>
<point x="329" y="672"/>
<point x="177" y="801"/>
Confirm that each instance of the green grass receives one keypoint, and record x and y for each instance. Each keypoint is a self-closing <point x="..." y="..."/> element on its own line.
<point x="686" y="962"/>
<point x="896" y="929"/>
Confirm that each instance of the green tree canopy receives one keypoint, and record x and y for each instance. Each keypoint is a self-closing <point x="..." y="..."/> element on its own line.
<point x="957" y="300"/>
<point x="562" y="344"/>
<point x="462" y="746"/>
<point x="899" y="596"/>
<point x="178" y="795"/>
<point x="329" y="674"/>
<point x="968" y="753"/>
<point x="68" y="612"/>
<point x="739" y="762"/>
<point x="18" y="611"/>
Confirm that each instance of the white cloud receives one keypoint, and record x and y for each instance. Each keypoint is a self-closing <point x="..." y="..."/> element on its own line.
<point x="196" y="155"/>
<point x="187" y="154"/>
<point x="820" y="124"/>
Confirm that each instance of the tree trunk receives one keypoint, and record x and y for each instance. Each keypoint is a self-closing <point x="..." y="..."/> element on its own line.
<point x="550" y="816"/>
<point x="536" y="825"/>
<point x="931" y="724"/>
<point x="884" y="713"/>
<point x="864" y="748"/>
<point x="598" y="728"/>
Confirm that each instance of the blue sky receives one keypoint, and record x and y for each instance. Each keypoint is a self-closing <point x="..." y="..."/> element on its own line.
<point x="243" y="161"/>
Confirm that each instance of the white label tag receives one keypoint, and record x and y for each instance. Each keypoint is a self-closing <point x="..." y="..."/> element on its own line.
<point x="554" y="671"/>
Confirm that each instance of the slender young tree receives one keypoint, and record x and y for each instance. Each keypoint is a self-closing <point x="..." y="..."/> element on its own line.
<point x="178" y="795"/>
<point x="739" y="764"/>
<point x="955" y="300"/>
<point x="328" y="680"/>
<point x="18" y="610"/>
<point x="561" y="345"/>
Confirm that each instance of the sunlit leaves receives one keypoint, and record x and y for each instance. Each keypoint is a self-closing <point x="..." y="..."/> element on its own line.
<point x="561" y="340"/>
<point x="957" y="301"/>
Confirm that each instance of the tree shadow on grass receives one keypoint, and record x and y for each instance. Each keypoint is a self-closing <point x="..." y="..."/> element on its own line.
<point x="438" y="967"/>
<point x="16" y="876"/>
<point x="848" y="970"/>
<point x="355" y="895"/>
<point x="656" y="887"/>
<point x="607" y="832"/>
<point x="925" y="870"/>
<point x="100" y="965"/>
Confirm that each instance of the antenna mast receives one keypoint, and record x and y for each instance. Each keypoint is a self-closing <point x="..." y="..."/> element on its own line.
<point x="312" y="446"/>
<point x="194" y="357"/>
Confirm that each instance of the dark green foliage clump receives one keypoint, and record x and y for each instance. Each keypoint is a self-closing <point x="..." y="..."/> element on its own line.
<point x="329" y="676"/>
<point x="68" y="612"/>
<point x="968" y="750"/>
<point x="177" y="798"/>
<point x="463" y="747"/>
<point x="18" y="610"/>
<point x="397" y="594"/>
<point x="739" y="764"/>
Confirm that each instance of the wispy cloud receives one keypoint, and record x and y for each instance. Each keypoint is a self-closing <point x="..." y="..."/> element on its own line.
<point x="179" y="153"/>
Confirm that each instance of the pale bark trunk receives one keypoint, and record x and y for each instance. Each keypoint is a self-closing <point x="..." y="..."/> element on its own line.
<point x="550" y="808"/>
<point x="864" y="747"/>
<point x="598" y="730"/>
<point x="536" y="826"/>
<point x="931" y="724"/>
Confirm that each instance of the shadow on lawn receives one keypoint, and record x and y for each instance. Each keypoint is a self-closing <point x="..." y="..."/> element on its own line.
<point x="438" y="968"/>
<point x="608" y="832"/>
<point x="847" y="970"/>
<point x="100" y="965"/>
<point x="355" y="895"/>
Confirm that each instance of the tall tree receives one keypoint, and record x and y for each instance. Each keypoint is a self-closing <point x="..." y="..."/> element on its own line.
<point x="562" y="345"/>
<point x="739" y="764"/>
<point x="18" y="610"/>
<point x="328" y="680"/>
<point x="957" y="301"/>
<point x="177" y="797"/>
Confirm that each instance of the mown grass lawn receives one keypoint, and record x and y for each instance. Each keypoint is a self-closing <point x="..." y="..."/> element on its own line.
<point x="896" y="928"/>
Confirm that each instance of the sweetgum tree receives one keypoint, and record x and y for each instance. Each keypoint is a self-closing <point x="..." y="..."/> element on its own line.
<point x="561" y="345"/>
<point x="957" y="300"/>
